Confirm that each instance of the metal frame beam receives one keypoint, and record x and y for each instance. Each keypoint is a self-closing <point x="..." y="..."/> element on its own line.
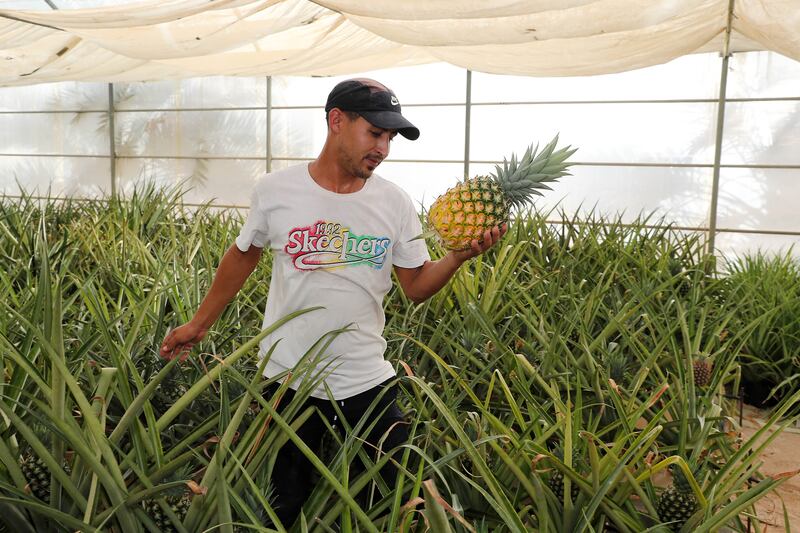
<point x="449" y="104"/>
<point x="467" y="122"/>
<point x="112" y="147"/>
<point x="268" y="140"/>
<point x="723" y="88"/>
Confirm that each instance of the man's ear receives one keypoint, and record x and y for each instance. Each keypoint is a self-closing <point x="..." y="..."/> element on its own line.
<point x="335" y="118"/>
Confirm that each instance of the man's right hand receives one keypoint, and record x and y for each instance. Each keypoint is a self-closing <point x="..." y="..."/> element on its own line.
<point x="180" y="341"/>
<point x="231" y="274"/>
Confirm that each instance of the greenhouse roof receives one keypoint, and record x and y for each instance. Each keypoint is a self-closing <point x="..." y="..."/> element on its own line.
<point x="46" y="41"/>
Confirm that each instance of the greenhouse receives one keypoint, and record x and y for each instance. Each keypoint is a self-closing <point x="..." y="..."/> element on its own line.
<point x="533" y="265"/>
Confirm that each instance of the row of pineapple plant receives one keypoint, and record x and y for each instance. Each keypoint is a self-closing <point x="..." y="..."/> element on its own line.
<point x="574" y="378"/>
<point x="768" y="288"/>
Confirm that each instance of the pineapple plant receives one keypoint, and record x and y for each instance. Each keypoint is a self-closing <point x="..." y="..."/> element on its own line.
<point x="466" y="211"/>
<point x="701" y="368"/>
<point x="678" y="503"/>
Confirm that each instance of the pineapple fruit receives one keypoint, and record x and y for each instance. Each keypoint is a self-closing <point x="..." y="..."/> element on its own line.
<point x="701" y="368"/>
<point x="678" y="503"/>
<point x="556" y="480"/>
<point x="178" y="499"/>
<point x="169" y="391"/>
<point x="37" y="475"/>
<point x="620" y="367"/>
<point x="179" y="504"/>
<point x="466" y="211"/>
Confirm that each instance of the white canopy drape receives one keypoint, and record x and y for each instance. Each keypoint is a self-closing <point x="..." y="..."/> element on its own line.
<point x="163" y="39"/>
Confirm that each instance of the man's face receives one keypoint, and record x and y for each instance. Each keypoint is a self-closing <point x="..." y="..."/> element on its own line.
<point x="362" y="146"/>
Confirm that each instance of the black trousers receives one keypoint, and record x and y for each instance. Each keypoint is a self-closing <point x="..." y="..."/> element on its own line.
<point x="293" y="476"/>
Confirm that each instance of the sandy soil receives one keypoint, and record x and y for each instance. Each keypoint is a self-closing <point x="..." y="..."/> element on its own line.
<point x="783" y="455"/>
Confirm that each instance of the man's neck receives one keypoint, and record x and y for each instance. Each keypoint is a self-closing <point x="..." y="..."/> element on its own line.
<point x="328" y="174"/>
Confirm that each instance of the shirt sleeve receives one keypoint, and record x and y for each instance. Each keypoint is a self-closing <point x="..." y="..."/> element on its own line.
<point x="255" y="230"/>
<point x="408" y="253"/>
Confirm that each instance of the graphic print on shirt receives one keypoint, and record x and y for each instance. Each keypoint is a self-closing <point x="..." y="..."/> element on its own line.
<point x="331" y="245"/>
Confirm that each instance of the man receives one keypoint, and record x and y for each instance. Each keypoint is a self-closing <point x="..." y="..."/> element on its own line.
<point x="334" y="230"/>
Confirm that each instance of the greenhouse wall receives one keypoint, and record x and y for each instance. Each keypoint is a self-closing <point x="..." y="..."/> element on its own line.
<point x="646" y="138"/>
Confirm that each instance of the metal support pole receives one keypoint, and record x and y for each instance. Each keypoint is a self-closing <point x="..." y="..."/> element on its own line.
<point x="712" y="217"/>
<point x="269" y="123"/>
<point x="723" y="87"/>
<point x="467" y="119"/>
<point x="112" y="148"/>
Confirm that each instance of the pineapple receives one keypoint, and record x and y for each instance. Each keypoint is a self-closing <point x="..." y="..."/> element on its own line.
<point x="37" y="475"/>
<point x="179" y="504"/>
<point x="619" y="367"/>
<point x="478" y="204"/>
<point x="678" y="503"/>
<point x="178" y="499"/>
<point x="169" y="391"/>
<point x="556" y="481"/>
<point x="684" y="287"/>
<point x="701" y="368"/>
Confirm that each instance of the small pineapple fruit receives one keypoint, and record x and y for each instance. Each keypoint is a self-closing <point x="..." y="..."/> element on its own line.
<point x="556" y="481"/>
<point x="169" y="391"/>
<point x="619" y="368"/>
<point x="37" y="475"/>
<point x="472" y="339"/>
<point x="178" y="499"/>
<point x="178" y="504"/>
<point x="684" y="288"/>
<point x="701" y="368"/>
<point x="678" y="503"/>
<point x="36" y="472"/>
<point x="466" y="211"/>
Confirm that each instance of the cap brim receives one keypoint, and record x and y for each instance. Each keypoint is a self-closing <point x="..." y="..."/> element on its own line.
<point x="392" y="120"/>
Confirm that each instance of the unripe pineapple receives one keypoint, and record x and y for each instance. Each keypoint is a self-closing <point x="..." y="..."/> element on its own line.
<point x="478" y="204"/>
<point x="36" y="472"/>
<point x="556" y="481"/>
<point x="178" y="504"/>
<point x="37" y="475"/>
<point x="684" y="287"/>
<point x="619" y="367"/>
<point x="678" y="503"/>
<point x="178" y="499"/>
<point x="169" y="391"/>
<point x="702" y="367"/>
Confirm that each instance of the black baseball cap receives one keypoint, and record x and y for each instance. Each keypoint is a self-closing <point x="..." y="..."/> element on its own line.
<point x="376" y="103"/>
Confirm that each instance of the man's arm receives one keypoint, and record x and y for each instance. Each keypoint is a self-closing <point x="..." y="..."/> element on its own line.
<point x="231" y="274"/>
<point x="422" y="282"/>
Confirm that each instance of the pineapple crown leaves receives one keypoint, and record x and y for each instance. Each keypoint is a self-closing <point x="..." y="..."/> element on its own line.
<point x="522" y="178"/>
<point x="558" y="452"/>
<point x="179" y="481"/>
<point x="681" y="481"/>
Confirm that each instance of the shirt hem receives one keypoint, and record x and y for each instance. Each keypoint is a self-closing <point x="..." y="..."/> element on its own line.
<point x="273" y="368"/>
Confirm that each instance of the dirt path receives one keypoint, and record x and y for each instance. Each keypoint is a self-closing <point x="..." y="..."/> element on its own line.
<point x="783" y="455"/>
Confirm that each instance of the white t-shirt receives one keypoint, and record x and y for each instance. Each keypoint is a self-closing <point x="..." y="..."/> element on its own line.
<point x="336" y="251"/>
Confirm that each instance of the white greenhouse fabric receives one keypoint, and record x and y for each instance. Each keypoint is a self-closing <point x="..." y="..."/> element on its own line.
<point x="189" y="38"/>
